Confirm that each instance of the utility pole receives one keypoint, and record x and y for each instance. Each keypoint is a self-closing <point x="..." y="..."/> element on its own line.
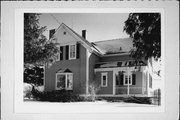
<point x="55" y="19"/>
<point x="72" y="22"/>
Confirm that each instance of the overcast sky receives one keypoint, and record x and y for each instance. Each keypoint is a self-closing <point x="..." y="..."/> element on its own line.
<point x="99" y="26"/>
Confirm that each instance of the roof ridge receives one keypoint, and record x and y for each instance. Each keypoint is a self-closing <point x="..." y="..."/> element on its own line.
<point x="110" y="40"/>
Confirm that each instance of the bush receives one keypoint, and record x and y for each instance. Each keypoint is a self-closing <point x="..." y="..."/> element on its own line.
<point x="56" y="96"/>
<point x="93" y="90"/>
<point x="27" y="90"/>
<point x="140" y="100"/>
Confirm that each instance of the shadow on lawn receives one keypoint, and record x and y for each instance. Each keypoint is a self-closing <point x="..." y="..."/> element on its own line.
<point x="139" y="100"/>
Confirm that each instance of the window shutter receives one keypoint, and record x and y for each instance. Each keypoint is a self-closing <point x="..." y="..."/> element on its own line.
<point x="117" y="80"/>
<point x="133" y="79"/>
<point x="121" y="79"/>
<point x="67" y="52"/>
<point x="77" y="50"/>
<point x="61" y="52"/>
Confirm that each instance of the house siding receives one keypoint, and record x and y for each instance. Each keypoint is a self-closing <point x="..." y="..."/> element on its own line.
<point x="63" y="36"/>
<point x="83" y="68"/>
<point x="109" y="88"/>
<point x="93" y="59"/>
<point x="78" y="68"/>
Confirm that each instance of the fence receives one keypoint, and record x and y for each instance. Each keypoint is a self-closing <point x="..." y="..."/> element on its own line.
<point x="156" y="97"/>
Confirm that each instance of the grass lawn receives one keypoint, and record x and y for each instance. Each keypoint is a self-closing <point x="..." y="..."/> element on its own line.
<point x="101" y="103"/>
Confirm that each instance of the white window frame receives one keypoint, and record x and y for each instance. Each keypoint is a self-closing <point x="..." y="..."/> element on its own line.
<point x="104" y="74"/>
<point x="57" y="56"/>
<point x="65" y="81"/>
<point x="130" y="76"/>
<point x="70" y="58"/>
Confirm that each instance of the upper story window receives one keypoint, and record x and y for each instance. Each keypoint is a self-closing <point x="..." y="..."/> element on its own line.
<point x="69" y="52"/>
<point x="104" y="79"/>
<point x="72" y="51"/>
<point x="57" y="57"/>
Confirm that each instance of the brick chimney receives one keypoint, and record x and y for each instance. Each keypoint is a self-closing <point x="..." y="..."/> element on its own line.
<point x="84" y="34"/>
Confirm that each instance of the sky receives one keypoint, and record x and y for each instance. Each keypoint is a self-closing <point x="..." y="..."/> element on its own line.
<point x="99" y="26"/>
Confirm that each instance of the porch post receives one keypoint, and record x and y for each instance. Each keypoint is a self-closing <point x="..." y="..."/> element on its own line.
<point x="114" y="81"/>
<point x="128" y="81"/>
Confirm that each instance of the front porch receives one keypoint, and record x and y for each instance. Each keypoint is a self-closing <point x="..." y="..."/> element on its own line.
<point x="122" y="81"/>
<point x="123" y="92"/>
<point x="132" y="90"/>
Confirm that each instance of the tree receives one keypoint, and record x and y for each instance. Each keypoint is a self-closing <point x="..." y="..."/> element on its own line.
<point x="145" y="29"/>
<point x="37" y="49"/>
<point x="34" y="76"/>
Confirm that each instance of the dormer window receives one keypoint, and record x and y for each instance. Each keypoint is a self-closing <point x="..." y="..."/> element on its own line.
<point x="72" y="51"/>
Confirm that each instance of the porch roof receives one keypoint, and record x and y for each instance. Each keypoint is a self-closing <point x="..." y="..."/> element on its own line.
<point x="64" y="71"/>
<point x="120" y="64"/>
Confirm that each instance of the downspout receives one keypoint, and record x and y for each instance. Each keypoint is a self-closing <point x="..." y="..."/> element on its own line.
<point x="87" y="71"/>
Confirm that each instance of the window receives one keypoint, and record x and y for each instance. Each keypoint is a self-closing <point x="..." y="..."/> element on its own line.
<point x="64" y="81"/>
<point x="119" y="78"/>
<point x="57" y="57"/>
<point x="122" y="79"/>
<point x="104" y="79"/>
<point x="132" y="79"/>
<point x="126" y="79"/>
<point x="61" y="52"/>
<point x="72" y="51"/>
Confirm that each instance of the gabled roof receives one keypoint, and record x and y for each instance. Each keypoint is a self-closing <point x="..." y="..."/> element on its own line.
<point x="82" y="40"/>
<point x="87" y="42"/>
<point x="103" y="48"/>
<point x="114" y="46"/>
<point x="64" y="71"/>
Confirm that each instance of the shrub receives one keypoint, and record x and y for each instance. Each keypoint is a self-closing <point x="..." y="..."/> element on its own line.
<point x="27" y="91"/>
<point x="56" y="96"/>
<point x="93" y="90"/>
<point x="140" y="100"/>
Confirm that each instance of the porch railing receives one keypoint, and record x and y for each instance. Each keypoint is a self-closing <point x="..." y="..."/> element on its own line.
<point x="124" y="90"/>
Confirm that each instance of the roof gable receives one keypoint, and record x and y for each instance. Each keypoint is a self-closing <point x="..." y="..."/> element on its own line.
<point x="73" y="37"/>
